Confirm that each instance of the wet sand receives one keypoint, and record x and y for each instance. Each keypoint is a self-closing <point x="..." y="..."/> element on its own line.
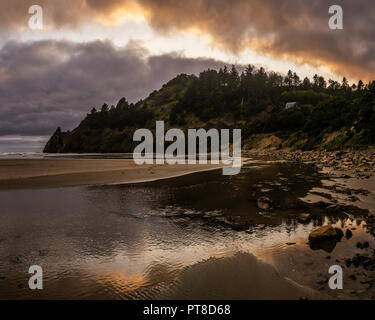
<point x="56" y="173"/>
<point x="241" y="277"/>
<point x="181" y="245"/>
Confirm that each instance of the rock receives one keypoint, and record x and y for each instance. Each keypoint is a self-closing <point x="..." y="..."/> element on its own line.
<point x="339" y="233"/>
<point x="16" y="260"/>
<point x="348" y="234"/>
<point x="325" y="238"/>
<point x="363" y="245"/>
<point x="264" y="203"/>
<point x="304" y="218"/>
<point x="325" y="233"/>
<point x="43" y="253"/>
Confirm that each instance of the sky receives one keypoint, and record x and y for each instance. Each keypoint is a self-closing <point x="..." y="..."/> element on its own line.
<point x="91" y="52"/>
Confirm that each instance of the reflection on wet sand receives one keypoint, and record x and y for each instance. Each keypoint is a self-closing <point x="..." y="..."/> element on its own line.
<point x="162" y="239"/>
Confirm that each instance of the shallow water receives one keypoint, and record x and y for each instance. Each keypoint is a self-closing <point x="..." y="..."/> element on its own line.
<point x="135" y="241"/>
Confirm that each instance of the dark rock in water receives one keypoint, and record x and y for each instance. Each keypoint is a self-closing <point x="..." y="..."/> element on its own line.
<point x="320" y="205"/>
<point x="16" y="260"/>
<point x="339" y="233"/>
<point x="296" y="204"/>
<point x="264" y="203"/>
<point x="348" y="234"/>
<point x="368" y="263"/>
<point x="363" y="245"/>
<point x="257" y="187"/>
<point x="43" y="253"/>
<point x="325" y="238"/>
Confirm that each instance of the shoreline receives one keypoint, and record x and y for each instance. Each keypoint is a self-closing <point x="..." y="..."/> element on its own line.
<point x="18" y="174"/>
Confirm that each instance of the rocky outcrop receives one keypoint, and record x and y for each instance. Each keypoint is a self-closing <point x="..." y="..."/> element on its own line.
<point x="56" y="143"/>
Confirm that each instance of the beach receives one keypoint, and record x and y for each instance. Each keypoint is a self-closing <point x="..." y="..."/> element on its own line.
<point x="56" y="173"/>
<point x="105" y="228"/>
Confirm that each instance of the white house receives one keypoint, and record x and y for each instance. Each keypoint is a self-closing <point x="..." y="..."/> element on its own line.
<point x="290" y="105"/>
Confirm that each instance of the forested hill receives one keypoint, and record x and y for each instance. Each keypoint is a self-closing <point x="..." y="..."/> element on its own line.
<point x="327" y="114"/>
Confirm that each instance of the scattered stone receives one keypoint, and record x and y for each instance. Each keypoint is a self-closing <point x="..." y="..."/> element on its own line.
<point x="363" y="245"/>
<point x="304" y="218"/>
<point x="43" y="253"/>
<point x="264" y="203"/>
<point x="348" y="234"/>
<point x="16" y="260"/>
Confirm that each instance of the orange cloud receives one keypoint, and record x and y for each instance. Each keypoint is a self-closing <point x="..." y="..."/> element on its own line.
<point x="293" y="29"/>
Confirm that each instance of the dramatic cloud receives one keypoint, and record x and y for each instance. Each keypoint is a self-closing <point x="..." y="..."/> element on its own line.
<point x="48" y="84"/>
<point x="293" y="29"/>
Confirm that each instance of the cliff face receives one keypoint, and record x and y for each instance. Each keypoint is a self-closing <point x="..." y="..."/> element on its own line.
<point x="58" y="143"/>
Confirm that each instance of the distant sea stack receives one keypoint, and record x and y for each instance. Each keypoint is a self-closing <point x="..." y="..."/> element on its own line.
<point x="58" y="142"/>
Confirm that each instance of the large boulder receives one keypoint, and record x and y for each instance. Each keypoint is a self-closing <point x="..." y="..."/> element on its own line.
<point x="325" y="233"/>
<point x="325" y="238"/>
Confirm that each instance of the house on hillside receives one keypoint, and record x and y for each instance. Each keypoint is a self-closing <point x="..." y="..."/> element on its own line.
<point x="290" y="105"/>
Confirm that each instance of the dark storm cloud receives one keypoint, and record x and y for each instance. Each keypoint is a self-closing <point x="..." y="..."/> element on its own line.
<point x="293" y="29"/>
<point x="48" y="83"/>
